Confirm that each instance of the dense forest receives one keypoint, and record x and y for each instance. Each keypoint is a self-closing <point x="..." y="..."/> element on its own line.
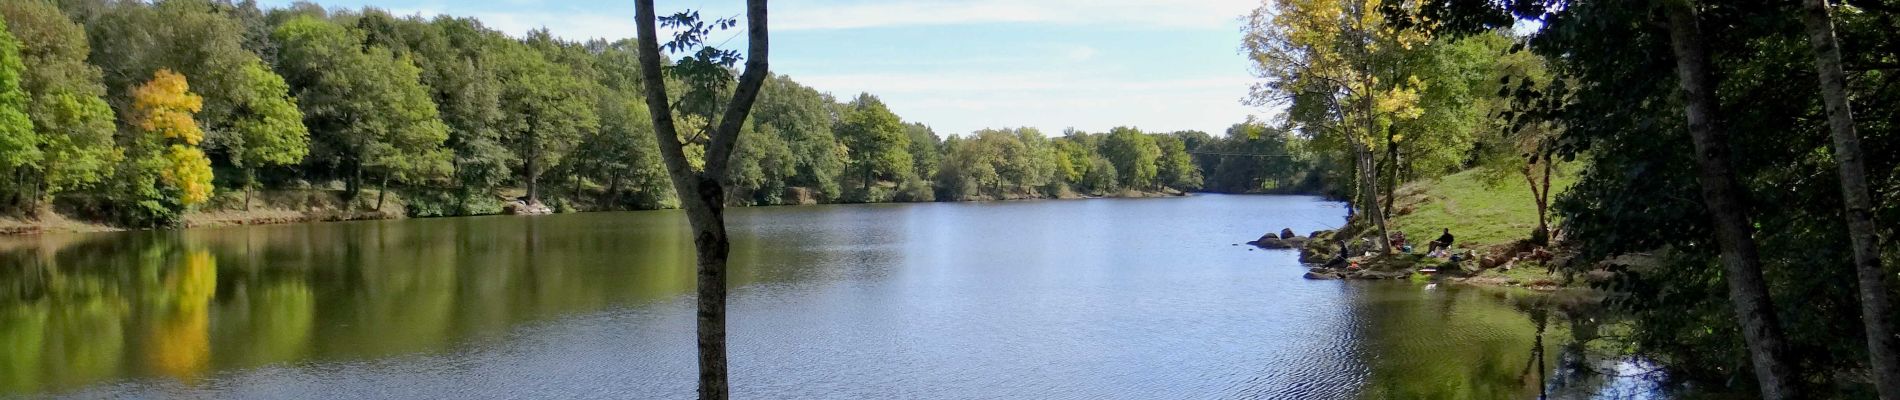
<point x="133" y="113"/>
<point x="1731" y="161"/>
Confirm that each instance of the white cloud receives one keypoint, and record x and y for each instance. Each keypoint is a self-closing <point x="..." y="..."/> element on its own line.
<point x="616" y="20"/>
<point x="1192" y="14"/>
<point x="961" y="102"/>
<point x="992" y="81"/>
<point x="1070" y="84"/>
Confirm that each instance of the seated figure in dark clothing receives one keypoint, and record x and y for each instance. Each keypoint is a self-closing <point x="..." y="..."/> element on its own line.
<point x="1339" y="260"/>
<point x="1443" y="242"/>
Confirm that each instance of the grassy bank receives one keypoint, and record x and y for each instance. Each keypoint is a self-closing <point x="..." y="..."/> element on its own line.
<point x="1480" y="214"/>
<point x="1488" y="218"/>
<point x="1485" y="216"/>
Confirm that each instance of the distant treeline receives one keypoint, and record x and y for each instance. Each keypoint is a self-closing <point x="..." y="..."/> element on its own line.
<point x="132" y="113"/>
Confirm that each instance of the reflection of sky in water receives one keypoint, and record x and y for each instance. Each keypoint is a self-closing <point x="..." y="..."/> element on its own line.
<point x="1135" y="298"/>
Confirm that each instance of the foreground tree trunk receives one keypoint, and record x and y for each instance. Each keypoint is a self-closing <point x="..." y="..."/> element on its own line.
<point x="1540" y="192"/>
<point x="1369" y="178"/>
<point x="1876" y="300"/>
<point x="1722" y="194"/>
<point x="702" y="192"/>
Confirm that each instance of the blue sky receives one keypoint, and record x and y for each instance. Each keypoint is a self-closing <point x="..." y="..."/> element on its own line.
<point x="962" y="65"/>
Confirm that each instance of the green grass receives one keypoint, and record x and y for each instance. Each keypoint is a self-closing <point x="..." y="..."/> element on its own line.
<point x="1480" y="214"/>
<point x="1524" y="272"/>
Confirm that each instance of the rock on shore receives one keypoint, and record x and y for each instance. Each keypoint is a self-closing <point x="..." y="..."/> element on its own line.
<point x="1283" y="240"/>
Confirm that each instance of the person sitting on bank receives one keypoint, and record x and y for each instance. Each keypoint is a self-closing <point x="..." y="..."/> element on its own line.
<point x="1339" y="260"/>
<point x="1398" y="242"/>
<point x="1443" y="243"/>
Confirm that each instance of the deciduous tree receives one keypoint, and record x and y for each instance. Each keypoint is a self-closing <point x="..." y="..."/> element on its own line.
<point x="19" y="143"/>
<point x="365" y="102"/>
<point x="1876" y="290"/>
<point x="702" y="190"/>
<point x="72" y="121"/>
<point x="878" y="145"/>
<point x="162" y="112"/>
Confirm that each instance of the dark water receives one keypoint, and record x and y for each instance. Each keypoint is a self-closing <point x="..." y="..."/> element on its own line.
<point x="1084" y="299"/>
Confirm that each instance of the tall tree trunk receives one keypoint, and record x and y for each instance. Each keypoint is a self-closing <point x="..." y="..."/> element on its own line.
<point x="534" y="176"/>
<point x="39" y="193"/>
<point x="1370" y="190"/>
<point x="1391" y="179"/>
<point x="356" y="184"/>
<point x="706" y="211"/>
<point x="612" y="197"/>
<point x="702" y="192"/>
<point x="574" y="178"/>
<point x="1722" y="194"/>
<point x="461" y="185"/>
<point x="1370" y="179"/>
<point x="250" y="183"/>
<point x="1540" y="193"/>
<point x="1876" y="300"/>
<point x="382" y="190"/>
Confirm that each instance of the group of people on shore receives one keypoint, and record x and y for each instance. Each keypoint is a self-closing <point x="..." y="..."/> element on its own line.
<point x="1438" y="248"/>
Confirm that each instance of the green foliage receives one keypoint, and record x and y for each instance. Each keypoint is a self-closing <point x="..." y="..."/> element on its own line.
<point x="1252" y="158"/>
<point x="203" y="40"/>
<point x="19" y="143"/>
<point x="365" y="103"/>
<point x="1175" y="168"/>
<point x="1613" y="103"/>
<point x="545" y="108"/>
<point x="454" y="57"/>
<point x="1134" y="155"/>
<point x="1101" y="177"/>
<point x="762" y="164"/>
<point x="876" y="141"/>
<point x="72" y="121"/>
<point x="451" y="113"/>
<point x="622" y="157"/>
<point x="269" y="129"/>
<point x="803" y="117"/>
<point x="925" y="149"/>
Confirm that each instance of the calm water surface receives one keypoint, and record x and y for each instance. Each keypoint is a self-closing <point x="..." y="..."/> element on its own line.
<point x="1083" y="299"/>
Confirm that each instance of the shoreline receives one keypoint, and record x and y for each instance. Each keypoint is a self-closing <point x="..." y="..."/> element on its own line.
<point x="1502" y="265"/>
<point x="49" y="222"/>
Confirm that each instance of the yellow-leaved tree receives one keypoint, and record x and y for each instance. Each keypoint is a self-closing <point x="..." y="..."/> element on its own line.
<point x="1337" y="67"/>
<point x="162" y="110"/>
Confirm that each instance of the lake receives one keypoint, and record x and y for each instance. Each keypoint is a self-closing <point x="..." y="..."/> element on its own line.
<point x="1071" y="299"/>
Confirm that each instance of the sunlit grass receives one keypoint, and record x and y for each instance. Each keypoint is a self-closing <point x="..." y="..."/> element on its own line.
<point x="1479" y="213"/>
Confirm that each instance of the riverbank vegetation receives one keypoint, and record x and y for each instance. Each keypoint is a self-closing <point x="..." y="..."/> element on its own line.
<point x="405" y="115"/>
<point x="1724" y="187"/>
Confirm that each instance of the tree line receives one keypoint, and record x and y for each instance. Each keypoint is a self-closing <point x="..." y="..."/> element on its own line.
<point x="134" y="112"/>
<point x="1732" y="158"/>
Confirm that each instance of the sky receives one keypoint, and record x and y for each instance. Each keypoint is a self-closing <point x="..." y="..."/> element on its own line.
<point x="960" y="65"/>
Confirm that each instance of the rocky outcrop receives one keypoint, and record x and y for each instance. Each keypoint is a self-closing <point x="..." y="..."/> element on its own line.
<point x="1321" y="274"/>
<point x="522" y="207"/>
<point x="1284" y="240"/>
